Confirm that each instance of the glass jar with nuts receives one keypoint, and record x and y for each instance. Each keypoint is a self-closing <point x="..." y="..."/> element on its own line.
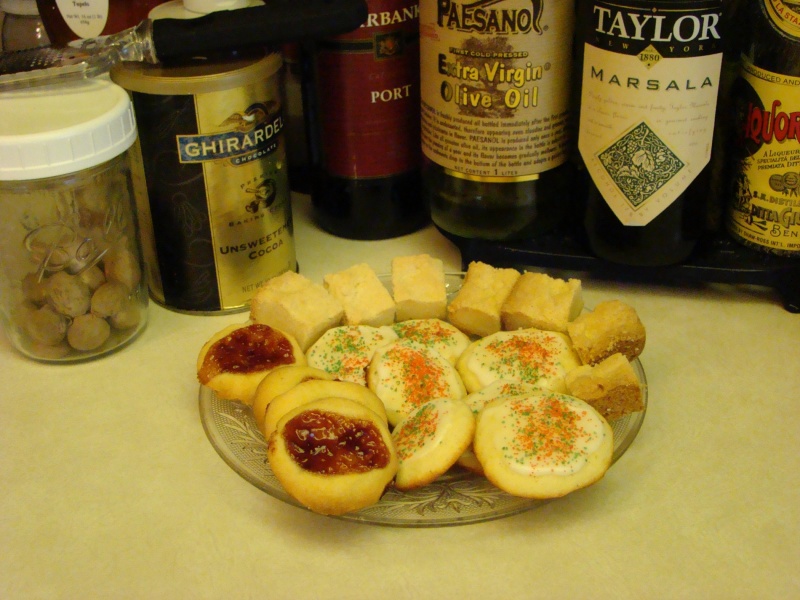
<point x="72" y="285"/>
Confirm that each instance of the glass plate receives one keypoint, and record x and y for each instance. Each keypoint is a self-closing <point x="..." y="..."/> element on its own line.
<point x="457" y="498"/>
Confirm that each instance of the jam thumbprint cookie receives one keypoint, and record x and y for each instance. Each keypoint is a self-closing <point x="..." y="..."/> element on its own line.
<point x="235" y="360"/>
<point x="333" y="455"/>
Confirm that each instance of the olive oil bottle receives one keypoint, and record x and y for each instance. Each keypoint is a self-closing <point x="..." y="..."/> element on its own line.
<point x="495" y="115"/>
<point x="650" y="79"/>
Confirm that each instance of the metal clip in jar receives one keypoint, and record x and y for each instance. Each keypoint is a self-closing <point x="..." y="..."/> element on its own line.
<point x="71" y="274"/>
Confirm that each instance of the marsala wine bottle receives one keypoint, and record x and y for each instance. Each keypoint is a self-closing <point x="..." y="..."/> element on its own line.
<point x="361" y="104"/>
<point x="649" y="86"/>
<point x="495" y="115"/>
<point x="764" y="197"/>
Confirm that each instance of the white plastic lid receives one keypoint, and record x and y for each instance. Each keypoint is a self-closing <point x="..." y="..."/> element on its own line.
<point x="54" y="130"/>
<point x="191" y="9"/>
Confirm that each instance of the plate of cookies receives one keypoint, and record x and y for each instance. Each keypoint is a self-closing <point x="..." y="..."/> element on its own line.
<point x="422" y="398"/>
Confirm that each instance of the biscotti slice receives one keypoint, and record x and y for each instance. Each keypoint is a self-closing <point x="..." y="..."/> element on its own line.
<point x="542" y="302"/>
<point x="418" y="287"/>
<point x="365" y="299"/>
<point x="611" y="327"/>
<point x="476" y="308"/>
<point x="295" y="304"/>
<point x="611" y="387"/>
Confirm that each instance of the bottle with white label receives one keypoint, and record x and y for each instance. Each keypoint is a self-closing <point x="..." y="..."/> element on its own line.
<point x="649" y="85"/>
<point x="495" y="84"/>
<point x="764" y="201"/>
<point x="67" y="20"/>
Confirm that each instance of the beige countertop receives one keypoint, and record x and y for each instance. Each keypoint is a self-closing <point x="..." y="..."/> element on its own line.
<point x="110" y="488"/>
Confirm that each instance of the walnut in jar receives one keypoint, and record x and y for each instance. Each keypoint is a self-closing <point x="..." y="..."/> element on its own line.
<point x="126" y="318"/>
<point x="68" y="295"/>
<point x="93" y="277"/>
<point x="43" y="325"/>
<point x="88" y="332"/>
<point x="34" y="288"/>
<point x="109" y="299"/>
<point x="120" y="264"/>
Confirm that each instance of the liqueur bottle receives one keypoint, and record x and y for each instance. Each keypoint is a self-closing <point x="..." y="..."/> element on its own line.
<point x="361" y="104"/>
<point x="649" y="85"/>
<point x="495" y="80"/>
<point x="764" y="201"/>
<point x="67" y="20"/>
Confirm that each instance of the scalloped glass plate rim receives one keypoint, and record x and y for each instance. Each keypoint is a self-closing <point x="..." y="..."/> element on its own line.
<point x="457" y="498"/>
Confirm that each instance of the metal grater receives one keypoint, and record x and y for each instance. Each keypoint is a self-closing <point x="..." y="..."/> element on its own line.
<point x="37" y="66"/>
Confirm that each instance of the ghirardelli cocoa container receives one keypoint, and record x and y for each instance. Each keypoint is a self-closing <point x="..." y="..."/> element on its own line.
<point x="211" y="180"/>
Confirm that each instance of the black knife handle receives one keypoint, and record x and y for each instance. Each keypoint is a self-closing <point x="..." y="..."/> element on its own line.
<point x="276" y="22"/>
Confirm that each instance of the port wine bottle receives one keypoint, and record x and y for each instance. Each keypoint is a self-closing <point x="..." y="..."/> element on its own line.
<point x="361" y="103"/>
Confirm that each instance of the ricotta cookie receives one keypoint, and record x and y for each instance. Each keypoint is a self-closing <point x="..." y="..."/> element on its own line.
<point x="345" y="351"/>
<point x="436" y="334"/>
<point x="542" y="446"/>
<point x="311" y="390"/>
<point x="406" y="376"/>
<point x="333" y="456"/>
<point x="281" y="380"/>
<point x="477" y="400"/>
<point x="532" y="356"/>
<point x="430" y="440"/>
<point x="235" y="360"/>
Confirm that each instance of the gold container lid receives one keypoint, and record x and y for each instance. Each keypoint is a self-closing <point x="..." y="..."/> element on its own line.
<point x="196" y="76"/>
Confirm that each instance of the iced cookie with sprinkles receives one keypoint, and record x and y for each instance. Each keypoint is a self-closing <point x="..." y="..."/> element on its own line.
<point x="542" y="445"/>
<point x="405" y="377"/>
<point x="477" y="400"/>
<point x="436" y="334"/>
<point x="430" y="440"/>
<point x="532" y="356"/>
<point x="345" y="351"/>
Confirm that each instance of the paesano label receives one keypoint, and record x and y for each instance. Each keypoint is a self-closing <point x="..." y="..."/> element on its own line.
<point x="495" y="87"/>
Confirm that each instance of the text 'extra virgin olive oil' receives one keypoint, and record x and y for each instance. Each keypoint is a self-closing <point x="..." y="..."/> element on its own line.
<point x="495" y="78"/>
<point x="361" y="103"/>
<point x="764" y="204"/>
<point x="649" y="85"/>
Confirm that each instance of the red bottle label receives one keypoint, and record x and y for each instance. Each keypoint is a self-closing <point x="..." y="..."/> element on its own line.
<point x="368" y="85"/>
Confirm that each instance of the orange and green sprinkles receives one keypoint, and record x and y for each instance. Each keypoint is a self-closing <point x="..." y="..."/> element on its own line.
<point x="522" y="357"/>
<point x="550" y="435"/>
<point x="415" y="431"/>
<point x="415" y="375"/>
<point x="345" y="352"/>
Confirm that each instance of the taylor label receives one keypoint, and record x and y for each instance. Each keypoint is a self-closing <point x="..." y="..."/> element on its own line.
<point x="219" y="201"/>
<point x="495" y="86"/>
<point x="368" y="84"/>
<point x="650" y="81"/>
<point x="766" y="208"/>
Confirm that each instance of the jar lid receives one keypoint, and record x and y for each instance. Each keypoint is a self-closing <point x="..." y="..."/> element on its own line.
<point x="196" y="76"/>
<point x="54" y="130"/>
